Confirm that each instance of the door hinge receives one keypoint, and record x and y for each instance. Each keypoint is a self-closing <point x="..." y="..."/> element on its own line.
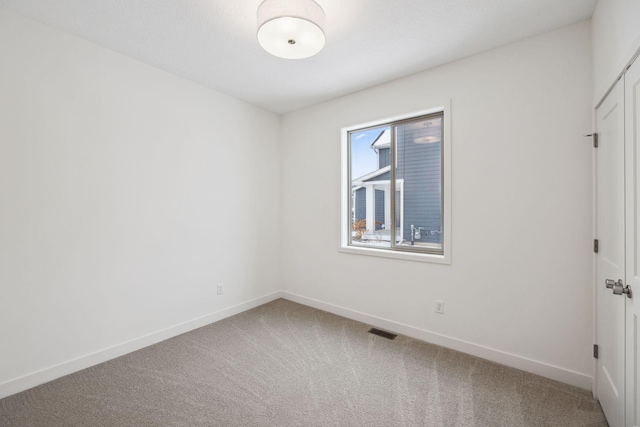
<point x="595" y="139"/>
<point x="595" y="351"/>
<point x="595" y="245"/>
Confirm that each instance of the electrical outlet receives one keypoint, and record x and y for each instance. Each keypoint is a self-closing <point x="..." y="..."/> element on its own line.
<point x="439" y="307"/>
<point x="220" y="290"/>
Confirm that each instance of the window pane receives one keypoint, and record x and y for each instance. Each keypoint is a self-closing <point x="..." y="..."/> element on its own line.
<point x="370" y="184"/>
<point x="395" y="178"/>
<point x="418" y="179"/>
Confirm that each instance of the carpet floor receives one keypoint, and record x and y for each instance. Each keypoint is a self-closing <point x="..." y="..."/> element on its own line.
<point x="285" y="364"/>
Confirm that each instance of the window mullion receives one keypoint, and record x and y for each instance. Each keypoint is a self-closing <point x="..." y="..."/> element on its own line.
<point x="392" y="185"/>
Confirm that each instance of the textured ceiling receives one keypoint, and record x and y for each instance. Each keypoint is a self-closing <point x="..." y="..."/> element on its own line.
<point x="213" y="42"/>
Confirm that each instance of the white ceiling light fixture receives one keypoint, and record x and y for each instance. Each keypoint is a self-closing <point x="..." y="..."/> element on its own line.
<point x="291" y="29"/>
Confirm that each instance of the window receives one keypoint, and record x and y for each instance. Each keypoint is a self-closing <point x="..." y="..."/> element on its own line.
<point x="395" y="187"/>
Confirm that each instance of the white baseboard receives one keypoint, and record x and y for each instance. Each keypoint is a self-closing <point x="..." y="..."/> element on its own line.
<point x="535" y="367"/>
<point x="49" y="374"/>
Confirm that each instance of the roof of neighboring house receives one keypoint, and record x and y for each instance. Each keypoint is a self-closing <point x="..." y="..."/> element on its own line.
<point x="382" y="141"/>
<point x="370" y="175"/>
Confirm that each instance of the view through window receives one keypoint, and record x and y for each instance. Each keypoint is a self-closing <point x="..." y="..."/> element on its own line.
<point x="396" y="185"/>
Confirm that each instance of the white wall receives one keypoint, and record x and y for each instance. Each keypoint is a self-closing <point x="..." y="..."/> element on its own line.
<point x="519" y="286"/>
<point x="616" y="37"/>
<point x="126" y="195"/>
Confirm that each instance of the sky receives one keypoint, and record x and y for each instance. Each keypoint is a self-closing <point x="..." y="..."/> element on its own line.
<point x="363" y="158"/>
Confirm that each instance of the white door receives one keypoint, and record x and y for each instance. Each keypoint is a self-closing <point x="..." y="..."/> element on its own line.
<point x="610" y="260"/>
<point x="632" y="155"/>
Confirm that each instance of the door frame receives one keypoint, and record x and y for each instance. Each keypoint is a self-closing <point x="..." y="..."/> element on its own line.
<point x="632" y="254"/>
<point x="610" y="261"/>
<point x="634" y="55"/>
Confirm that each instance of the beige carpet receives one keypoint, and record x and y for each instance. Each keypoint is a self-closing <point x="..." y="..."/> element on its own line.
<point x="284" y="364"/>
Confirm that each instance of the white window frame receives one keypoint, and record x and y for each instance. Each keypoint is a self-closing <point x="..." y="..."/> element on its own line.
<point x="346" y="193"/>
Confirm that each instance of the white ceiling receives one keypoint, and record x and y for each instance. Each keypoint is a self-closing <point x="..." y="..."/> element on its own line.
<point x="213" y="42"/>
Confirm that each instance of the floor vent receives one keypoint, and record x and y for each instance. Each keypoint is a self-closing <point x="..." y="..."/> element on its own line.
<point x="383" y="334"/>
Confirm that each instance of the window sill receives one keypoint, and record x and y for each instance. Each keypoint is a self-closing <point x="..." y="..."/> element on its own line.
<point x="387" y="253"/>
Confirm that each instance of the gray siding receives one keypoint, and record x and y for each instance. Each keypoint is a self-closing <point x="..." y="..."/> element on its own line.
<point x="384" y="177"/>
<point x="361" y="204"/>
<point x="421" y="168"/>
<point x="379" y="209"/>
<point x="384" y="157"/>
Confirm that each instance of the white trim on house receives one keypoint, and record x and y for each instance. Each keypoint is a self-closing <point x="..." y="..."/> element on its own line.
<point x="367" y="177"/>
<point x="380" y="142"/>
<point x="384" y="186"/>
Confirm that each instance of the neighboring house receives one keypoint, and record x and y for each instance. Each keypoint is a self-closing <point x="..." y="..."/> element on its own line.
<point x="418" y="195"/>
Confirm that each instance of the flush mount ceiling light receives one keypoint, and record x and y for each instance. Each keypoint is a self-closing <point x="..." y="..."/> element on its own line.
<point x="291" y="29"/>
